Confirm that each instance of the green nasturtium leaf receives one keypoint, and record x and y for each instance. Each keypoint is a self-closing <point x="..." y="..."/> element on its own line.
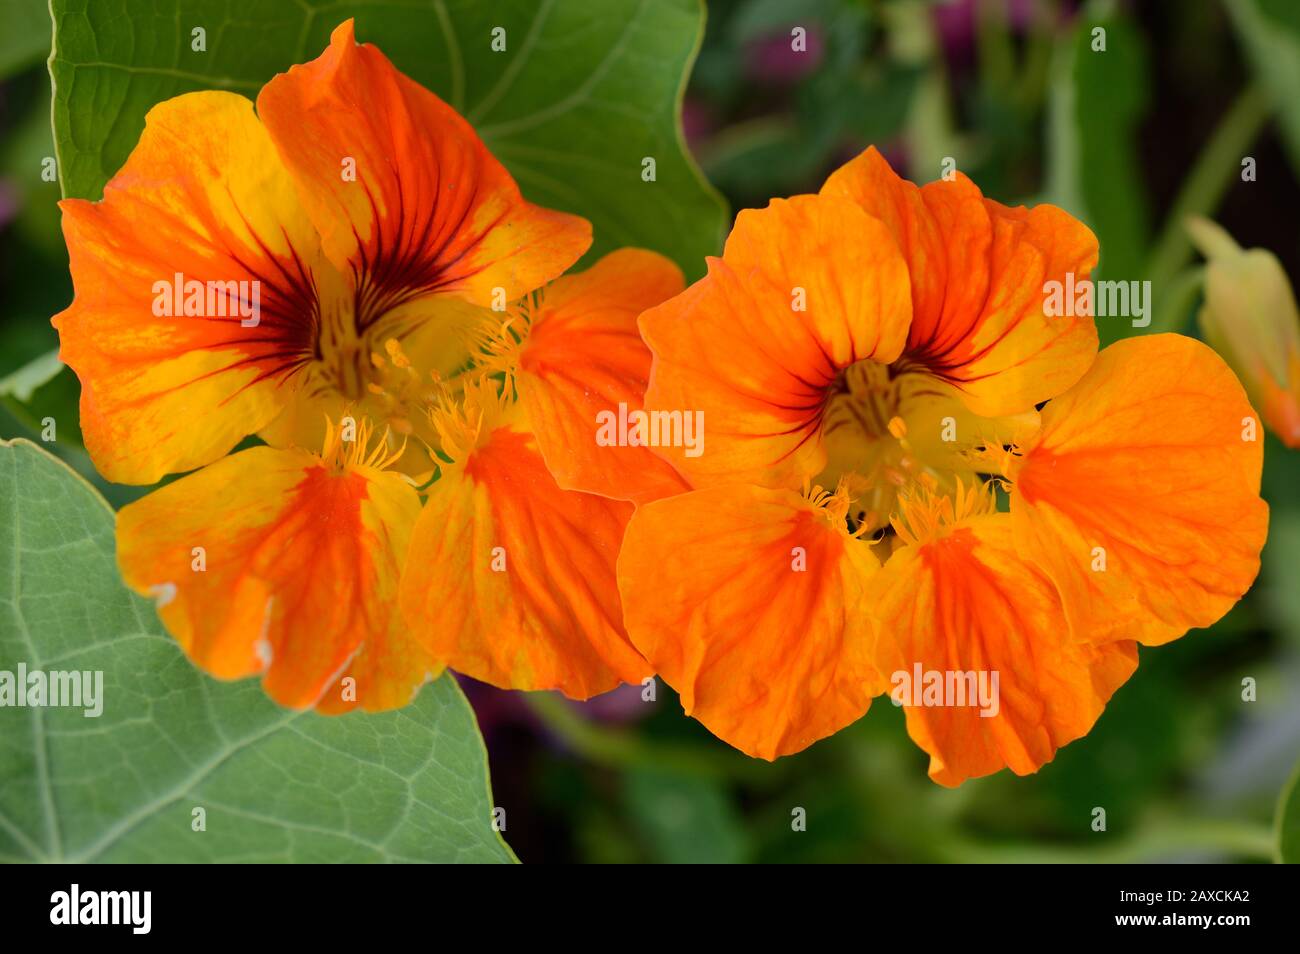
<point x="1098" y="99"/>
<point x="582" y="94"/>
<point x="274" y="785"/>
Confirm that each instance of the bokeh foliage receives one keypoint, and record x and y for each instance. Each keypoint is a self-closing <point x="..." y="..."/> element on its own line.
<point x="1130" y="139"/>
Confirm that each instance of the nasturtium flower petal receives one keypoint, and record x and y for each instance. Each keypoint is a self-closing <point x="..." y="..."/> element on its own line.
<point x="203" y="198"/>
<point x="511" y="579"/>
<point x="962" y="607"/>
<point x="404" y="193"/>
<point x="805" y="288"/>
<point x="281" y="564"/>
<point x="979" y="272"/>
<point x="1140" y="493"/>
<point x="751" y="604"/>
<point x="391" y="665"/>
<point x="583" y="370"/>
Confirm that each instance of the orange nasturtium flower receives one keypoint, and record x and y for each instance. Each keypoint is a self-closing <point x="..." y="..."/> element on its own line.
<point x="334" y="274"/>
<point x="870" y="361"/>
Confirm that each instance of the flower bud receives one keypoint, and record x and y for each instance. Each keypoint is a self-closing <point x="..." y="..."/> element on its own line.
<point x="1250" y="318"/>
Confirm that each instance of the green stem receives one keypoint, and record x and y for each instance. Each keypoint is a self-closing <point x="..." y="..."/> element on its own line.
<point x="996" y="55"/>
<point x="1206" y="184"/>
<point x="929" y="128"/>
<point x="1030" y="88"/>
<point x="1223" y="838"/>
<point x="618" y="748"/>
<point x="1177" y="301"/>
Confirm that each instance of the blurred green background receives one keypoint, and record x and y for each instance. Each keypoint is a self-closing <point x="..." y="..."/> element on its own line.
<point x="1131" y="140"/>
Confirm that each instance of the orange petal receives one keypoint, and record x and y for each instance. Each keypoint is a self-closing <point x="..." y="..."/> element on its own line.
<point x="391" y="666"/>
<point x="428" y="208"/>
<point x="203" y="196"/>
<point x="511" y="579"/>
<point x="296" y="579"/>
<point x="966" y="606"/>
<point x="978" y="271"/>
<point x="749" y="603"/>
<point x="1142" y="468"/>
<point x="584" y="365"/>
<point x="737" y="347"/>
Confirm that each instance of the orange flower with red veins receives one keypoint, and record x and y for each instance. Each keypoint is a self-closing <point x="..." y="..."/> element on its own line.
<point x="248" y="270"/>
<point x="888" y="343"/>
<point x="317" y="273"/>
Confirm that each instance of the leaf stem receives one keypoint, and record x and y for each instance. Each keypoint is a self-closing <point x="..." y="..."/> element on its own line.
<point x="1161" y="839"/>
<point x="1207" y="182"/>
<point x="1177" y="300"/>
<point x="619" y="748"/>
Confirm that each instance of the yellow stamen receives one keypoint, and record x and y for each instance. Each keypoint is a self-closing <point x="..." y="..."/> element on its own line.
<point x="994" y="459"/>
<point x="834" y="505"/>
<point x="395" y="353"/>
<point x="496" y="341"/>
<point x="462" y="423"/>
<point x="342" y="453"/>
<point x="925" y="514"/>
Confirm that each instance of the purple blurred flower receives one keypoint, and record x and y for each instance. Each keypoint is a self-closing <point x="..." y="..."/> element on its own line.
<point x="698" y="122"/>
<point x="623" y="704"/>
<point x="955" y="24"/>
<point x="773" y="59"/>
<point x="10" y="201"/>
<point x="499" y="710"/>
